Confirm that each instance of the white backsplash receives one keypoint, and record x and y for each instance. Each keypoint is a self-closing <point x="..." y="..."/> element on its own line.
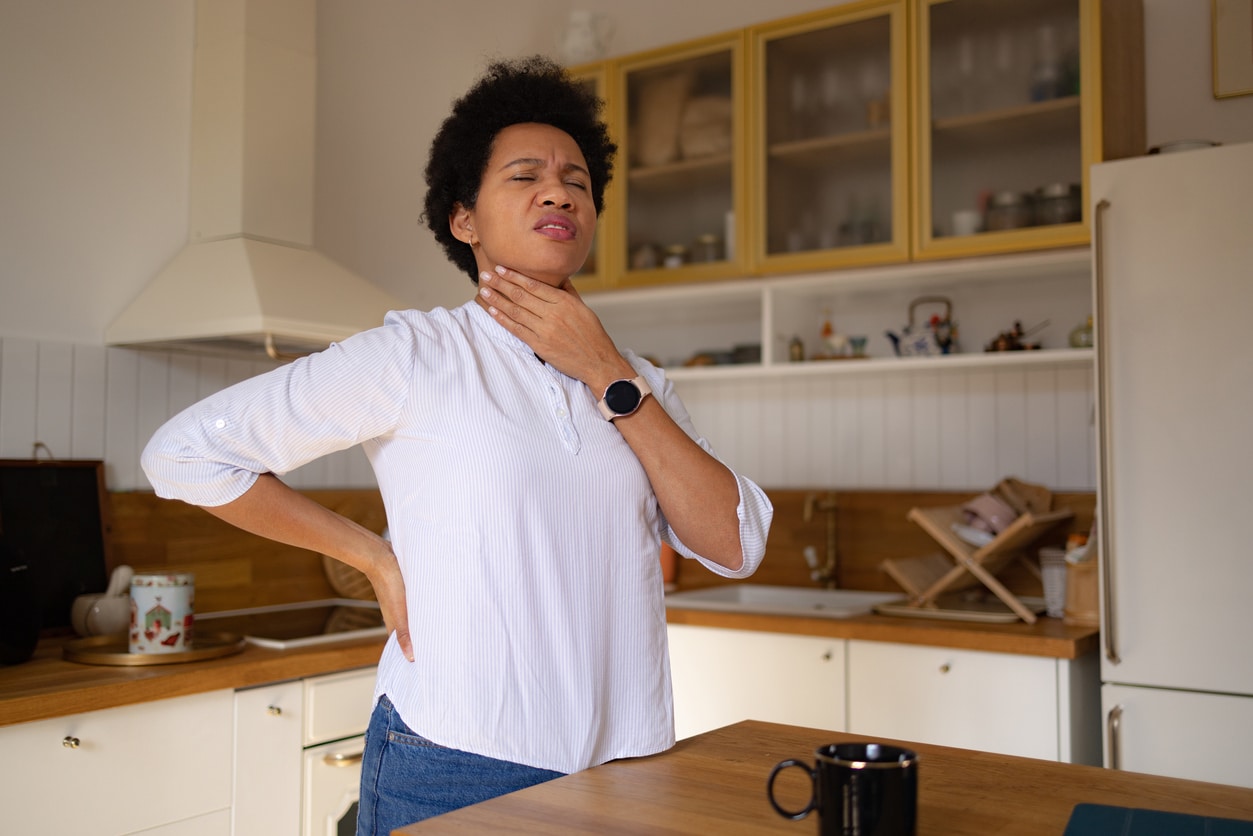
<point x="952" y="429"/>
<point x="93" y="402"/>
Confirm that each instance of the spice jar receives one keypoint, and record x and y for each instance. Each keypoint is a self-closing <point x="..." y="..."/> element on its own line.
<point x="676" y="256"/>
<point x="1008" y="210"/>
<point x="708" y="247"/>
<point x="1058" y="203"/>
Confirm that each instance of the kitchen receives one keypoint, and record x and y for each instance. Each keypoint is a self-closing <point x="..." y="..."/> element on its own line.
<point x="98" y="155"/>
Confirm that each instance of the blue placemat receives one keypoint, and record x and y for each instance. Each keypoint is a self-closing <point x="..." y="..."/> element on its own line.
<point x="1106" y="820"/>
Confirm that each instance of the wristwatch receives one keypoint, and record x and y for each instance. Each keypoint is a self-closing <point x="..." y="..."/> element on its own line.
<point x="623" y="397"/>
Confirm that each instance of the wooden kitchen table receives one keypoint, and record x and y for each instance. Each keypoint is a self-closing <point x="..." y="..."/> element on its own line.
<point x="715" y="783"/>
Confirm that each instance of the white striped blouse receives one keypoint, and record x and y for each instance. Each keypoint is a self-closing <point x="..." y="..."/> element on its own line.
<point x="525" y="527"/>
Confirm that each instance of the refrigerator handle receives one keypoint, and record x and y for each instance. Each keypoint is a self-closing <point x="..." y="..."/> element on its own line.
<point x="1113" y="734"/>
<point x="1109" y="633"/>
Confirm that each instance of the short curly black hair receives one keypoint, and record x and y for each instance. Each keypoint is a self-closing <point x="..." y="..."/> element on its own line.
<point x="534" y="89"/>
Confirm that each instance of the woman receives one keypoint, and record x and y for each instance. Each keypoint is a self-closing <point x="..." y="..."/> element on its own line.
<point x="528" y="468"/>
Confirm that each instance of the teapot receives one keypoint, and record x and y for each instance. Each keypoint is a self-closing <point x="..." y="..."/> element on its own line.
<point x="937" y="336"/>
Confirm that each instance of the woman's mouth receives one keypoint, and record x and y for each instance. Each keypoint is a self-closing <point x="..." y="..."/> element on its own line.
<point x="560" y="229"/>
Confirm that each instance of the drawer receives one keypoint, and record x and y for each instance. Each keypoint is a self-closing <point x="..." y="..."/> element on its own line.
<point x="994" y="702"/>
<point x="338" y="705"/>
<point x="119" y="770"/>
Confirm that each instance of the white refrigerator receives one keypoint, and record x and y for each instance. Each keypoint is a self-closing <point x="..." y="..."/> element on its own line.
<point x="1173" y="287"/>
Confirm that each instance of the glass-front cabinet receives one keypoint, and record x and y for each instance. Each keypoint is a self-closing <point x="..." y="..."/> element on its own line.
<point x="867" y="133"/>
<point x="1010" y="115"/>
<point x="680" y="182"/>
<point x="829" y="116"/>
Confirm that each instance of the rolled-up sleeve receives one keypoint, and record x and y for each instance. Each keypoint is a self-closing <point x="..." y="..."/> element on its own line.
<point x="212" y="452"/>
<point x="755" y="511"/>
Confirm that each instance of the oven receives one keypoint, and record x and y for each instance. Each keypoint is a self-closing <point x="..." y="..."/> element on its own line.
<point x="337" y="711"/>
<point x="332" y="780"/>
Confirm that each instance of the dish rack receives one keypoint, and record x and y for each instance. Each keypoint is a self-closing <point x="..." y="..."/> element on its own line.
<point x="965" y="565"/>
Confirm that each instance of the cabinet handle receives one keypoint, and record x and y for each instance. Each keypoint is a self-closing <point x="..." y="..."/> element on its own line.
<point x="945" y="668"/>
<point x="274" y="710"/>
<point x="342" y="759"/>
<point x="1105" y="536"/>
<point x="70" y="742"/>
<point x="1113" y="732"/>
<point x="826" y="657"/>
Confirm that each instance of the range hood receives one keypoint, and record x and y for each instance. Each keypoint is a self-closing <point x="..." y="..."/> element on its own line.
<point x="249" y="281"/>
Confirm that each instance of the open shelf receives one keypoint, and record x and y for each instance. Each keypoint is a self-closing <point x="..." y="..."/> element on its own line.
<point x="672" y="323"/>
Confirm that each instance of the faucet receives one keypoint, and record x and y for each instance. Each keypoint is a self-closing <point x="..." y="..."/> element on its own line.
<point x="828" y="573"/>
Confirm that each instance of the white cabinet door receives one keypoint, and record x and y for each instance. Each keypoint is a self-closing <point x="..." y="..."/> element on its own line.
<point x="119" y="770"/>
<point x="1179" y="734"/>
<point x="724" y="676"/>
<point x="994" y="702"/>
<point x="268" y="726"/>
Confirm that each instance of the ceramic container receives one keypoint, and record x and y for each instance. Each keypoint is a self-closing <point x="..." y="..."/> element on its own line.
<point x="162" y="613"/>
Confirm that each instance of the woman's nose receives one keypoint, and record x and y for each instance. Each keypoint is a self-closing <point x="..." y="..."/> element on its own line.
<point x="556" y="194"/>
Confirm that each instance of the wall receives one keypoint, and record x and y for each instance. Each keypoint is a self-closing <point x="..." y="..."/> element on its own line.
<point x="93" y="200"/>
<point x="92" y="402"/>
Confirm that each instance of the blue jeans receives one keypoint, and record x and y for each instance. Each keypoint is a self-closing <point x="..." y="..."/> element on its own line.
<point x="406" y="778"/>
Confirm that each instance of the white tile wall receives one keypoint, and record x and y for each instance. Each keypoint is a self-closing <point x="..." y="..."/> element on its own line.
<point x="93" y="402"/>
<point x="949" y="429"/>
<point x="957" y="429"/>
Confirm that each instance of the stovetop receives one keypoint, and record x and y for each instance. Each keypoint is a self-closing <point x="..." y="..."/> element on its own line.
<point x="284" y="626"/>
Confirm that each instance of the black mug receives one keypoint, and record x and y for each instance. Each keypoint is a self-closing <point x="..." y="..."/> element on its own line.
<point x="858" y="789"/>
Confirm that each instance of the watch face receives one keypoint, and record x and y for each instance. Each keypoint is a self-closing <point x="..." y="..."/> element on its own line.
<point x="622" y="397"/>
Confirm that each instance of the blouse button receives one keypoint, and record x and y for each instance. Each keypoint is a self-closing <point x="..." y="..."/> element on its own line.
<point x="220" y="423"/>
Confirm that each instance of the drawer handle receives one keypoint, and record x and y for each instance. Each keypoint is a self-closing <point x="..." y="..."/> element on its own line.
<point x="274" y="710"/>
<point x="945" y="668"/>
<point x="342" y="759"/>
<point x="70" y="742"/>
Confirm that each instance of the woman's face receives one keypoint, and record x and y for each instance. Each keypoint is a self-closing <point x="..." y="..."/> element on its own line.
<point x="534" y="212"/>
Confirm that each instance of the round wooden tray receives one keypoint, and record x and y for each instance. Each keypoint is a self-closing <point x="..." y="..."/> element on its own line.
<point x="112" y="650"/>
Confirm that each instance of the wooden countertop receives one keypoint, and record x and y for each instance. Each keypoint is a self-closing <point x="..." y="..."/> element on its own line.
<point x="1047" y="637"/>
<point x="48" y="686"/>
<point x="716" y="783"/>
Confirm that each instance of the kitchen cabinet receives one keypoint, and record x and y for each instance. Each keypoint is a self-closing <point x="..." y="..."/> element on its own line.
<point x="1013" y="103"/>
<point x="995" y="702"/>
<point x="829" y="138"/>
<point x="162" y="766"/>
<point x="722" y="676"/>
<point x="873" y="132"/>
<point x="269" y="721"/>
<point x="298" y="751"/>
<point x="680" y="195"/>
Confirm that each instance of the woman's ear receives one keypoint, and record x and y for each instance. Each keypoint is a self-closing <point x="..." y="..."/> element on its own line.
<point x="461" y="222"/>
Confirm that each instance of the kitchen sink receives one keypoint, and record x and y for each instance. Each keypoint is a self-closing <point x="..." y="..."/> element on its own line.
<point x="284" y="626"/>
<point x="781" y="600"/>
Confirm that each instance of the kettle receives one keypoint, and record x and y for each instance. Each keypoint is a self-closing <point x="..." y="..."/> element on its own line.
<point x="936" y="336"/>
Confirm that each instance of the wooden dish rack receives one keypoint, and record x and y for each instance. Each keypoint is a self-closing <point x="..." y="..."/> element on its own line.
<point x="964" y="565"/>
